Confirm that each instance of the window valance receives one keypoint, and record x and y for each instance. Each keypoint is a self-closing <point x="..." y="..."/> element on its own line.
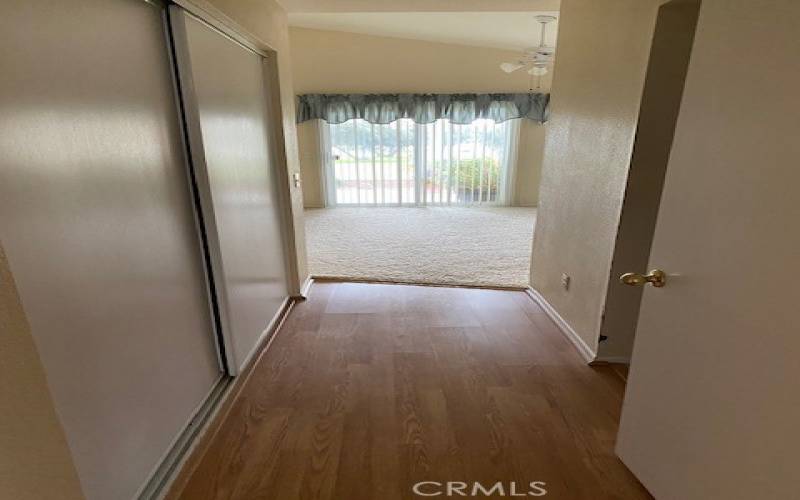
<point x="422" y="108"/>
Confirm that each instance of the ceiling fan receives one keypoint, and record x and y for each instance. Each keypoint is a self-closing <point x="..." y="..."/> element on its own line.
<point x="536" y="59"/>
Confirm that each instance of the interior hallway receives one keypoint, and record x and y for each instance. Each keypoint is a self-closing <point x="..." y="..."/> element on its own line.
<point x="447" y="245"/>
<point x="368" y="389"/>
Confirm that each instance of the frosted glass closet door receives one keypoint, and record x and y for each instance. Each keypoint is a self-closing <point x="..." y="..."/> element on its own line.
<point x="225" y="92"/>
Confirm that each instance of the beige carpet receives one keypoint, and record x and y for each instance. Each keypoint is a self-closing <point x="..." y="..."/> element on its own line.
<point x="441" y="245"/>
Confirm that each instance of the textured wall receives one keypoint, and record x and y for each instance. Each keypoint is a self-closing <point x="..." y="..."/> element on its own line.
<point x="267" y="21"/>
<point x="597" y="85"/>
<point x="339" y="62"/>
<point x="35" y="462"/>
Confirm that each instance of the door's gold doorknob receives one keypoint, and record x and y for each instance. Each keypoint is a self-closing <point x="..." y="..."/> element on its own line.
<point x="656" y="277"/>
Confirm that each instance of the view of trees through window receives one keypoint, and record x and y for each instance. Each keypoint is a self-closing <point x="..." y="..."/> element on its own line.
<point x="407" y="163"/>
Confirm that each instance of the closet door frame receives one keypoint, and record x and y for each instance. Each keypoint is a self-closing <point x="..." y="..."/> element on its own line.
<point x="165" y="472"/>
<point x="217" y="20"/>
<point x="178" y="18"/>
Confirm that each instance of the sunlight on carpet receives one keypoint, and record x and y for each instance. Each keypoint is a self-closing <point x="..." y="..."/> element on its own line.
<point x="438" y="245"/>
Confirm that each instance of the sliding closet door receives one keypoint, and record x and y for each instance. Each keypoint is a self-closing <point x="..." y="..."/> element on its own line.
<point x="97" y="221"/>
<point x="225" y="95"/>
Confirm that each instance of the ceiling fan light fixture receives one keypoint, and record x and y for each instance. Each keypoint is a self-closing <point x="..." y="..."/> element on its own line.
<point x="509" y="67"/>
<point x="535" y="60"/>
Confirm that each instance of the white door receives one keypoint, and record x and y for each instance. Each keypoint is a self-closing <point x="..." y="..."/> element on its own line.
<point x="225" y="94"/>
<point x="712" y="409"/>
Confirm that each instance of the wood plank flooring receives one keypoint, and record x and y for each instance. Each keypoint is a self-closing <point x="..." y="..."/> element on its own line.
<point x="370" y="388"/>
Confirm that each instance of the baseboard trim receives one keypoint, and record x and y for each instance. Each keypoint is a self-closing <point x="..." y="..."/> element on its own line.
<point x="181" y="445"/>
<point x="305" y="288"/>
<point x="584" y="350"/>
<point x="181" y="461"/>
<point x="269" y="331"/>
<point x="348" y="279"/>
<point x="625" y="360"/>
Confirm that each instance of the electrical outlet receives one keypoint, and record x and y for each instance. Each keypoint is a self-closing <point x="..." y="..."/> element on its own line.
<point x="565" y="279"/>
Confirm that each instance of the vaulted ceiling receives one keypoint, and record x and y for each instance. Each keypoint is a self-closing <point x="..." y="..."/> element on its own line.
<point x="504" y="30"/>
<point x="418" y="5"/>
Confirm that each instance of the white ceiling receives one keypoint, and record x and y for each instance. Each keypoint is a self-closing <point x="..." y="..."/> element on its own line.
<point x="504" y="30"/>
<point x="418" y="5"/>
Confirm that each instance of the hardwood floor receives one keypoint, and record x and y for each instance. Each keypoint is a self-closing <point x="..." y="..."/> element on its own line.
<point x="369" y="388"/>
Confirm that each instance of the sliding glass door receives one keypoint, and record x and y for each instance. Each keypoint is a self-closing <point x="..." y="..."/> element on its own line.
<point x="371" y="164"/>
<point x="404" y="163"/>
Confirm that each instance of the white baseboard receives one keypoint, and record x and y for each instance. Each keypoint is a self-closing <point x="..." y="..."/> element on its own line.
<point x="584" y="350"/>
<point x="625" y="360"/>
<point x="305" y="288"/>
<point x="265" y="337"/>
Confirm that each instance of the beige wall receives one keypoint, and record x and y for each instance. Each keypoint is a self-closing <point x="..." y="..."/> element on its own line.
<point x="602" y="55"/>
<point x="338" y="62"/>
<point x="267" y="21"/>
<point x="35" y="462"/>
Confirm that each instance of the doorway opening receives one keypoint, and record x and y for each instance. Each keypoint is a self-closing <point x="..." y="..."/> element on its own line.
<point x="421" y="154"/>
<point x="667" y="68"/>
